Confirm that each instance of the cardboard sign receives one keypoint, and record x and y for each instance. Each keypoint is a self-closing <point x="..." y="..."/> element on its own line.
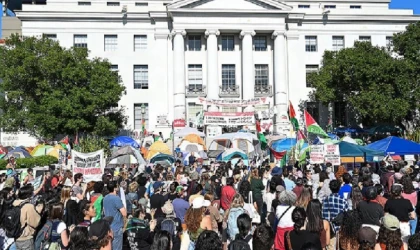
<point x="91" y="165"/>
<point x="316" y="154"/>
<point x="332" y="154"/>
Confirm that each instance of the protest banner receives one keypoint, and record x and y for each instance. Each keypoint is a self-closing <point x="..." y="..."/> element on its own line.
<point x="229" y="119"/>
<point x="91" y="165"/>
<point x="234" y="102"/>
<point x="332" y="154"/>
<point x="316" y="154"/>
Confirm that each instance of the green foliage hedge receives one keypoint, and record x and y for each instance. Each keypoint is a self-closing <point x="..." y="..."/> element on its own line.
<point x="38" y="161"/>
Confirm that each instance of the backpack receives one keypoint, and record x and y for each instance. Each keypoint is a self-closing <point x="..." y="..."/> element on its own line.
<point x="169" y="225"/>
<point x="43" y="236"/>
<point x="232" y="225"/>
<point x="240" y="244"/>
<point x="55" y="239"/>
<point x="11" y="221"/>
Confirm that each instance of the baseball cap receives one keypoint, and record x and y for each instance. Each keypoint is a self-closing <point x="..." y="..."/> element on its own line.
<point x="367" y="234"/>
<point x="391" y="222"/>
<point x="100" y="228"/>
<point x="157" y="185"/>
<point x="200" y="202"/>
<point x="276" y="171"/>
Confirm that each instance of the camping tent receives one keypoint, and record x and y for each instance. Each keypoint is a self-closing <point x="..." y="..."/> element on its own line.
<point x="125" y="155"/>
<point x="158" y="147"/>
<point x="122" y="141"/>
<point x="353" y="150"/>
<point x="393" y="145"/>
<point x="232" y="153"/>
<point x="246" y="142"/>
<point x="187" y="131"/>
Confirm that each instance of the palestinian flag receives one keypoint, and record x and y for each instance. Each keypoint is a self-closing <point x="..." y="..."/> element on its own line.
<point x="278" y="155"/>
<point x="65" y="140"/>
<point x="300" y="139"/>
<point x="261" y="136"/>
<point x="312" y="126"/>
<point x="292" y="117"/>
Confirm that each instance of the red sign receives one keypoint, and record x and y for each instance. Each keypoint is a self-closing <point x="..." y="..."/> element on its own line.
<point x="179" y="123"/>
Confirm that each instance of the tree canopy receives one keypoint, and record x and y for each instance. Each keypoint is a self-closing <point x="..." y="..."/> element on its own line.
<point x="50" y="90"/>
<point x="380" y="84"/>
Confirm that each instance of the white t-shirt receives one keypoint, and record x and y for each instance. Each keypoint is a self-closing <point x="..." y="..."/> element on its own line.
<point x="268" y="199"/>
<point x="286" y="220"/>
<point x="61" y="227"/>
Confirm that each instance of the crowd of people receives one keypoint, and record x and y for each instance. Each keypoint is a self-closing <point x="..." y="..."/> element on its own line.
<point x="214" y="207"/>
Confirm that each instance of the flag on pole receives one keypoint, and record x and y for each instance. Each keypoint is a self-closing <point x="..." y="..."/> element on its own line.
<point x="278" y="155"/>
<point x="300" y="139"/>
<point x="143" y="126"/>
<point x="312" y="126"/>
<point x="283" y="162"/>
<point x="65" y="140"/>
<point x="261" y="137"/>
<point x="292" y="117"/>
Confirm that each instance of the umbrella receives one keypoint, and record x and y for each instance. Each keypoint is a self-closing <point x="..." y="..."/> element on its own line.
<point x="41" y="150"/>
<point x="233" y="152"/>
<point x="162" y="157"/>
<point x="158" y="147"/>
<point x="18" y="153"/>
<point x="122" y="141"/>
<point x="187" y="131"/>
<point x="127" y="150"/>
<point x="396" y="146"/>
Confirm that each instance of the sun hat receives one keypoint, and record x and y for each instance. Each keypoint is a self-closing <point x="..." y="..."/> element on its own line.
<point x="100" y="228"/>
<point x="391" y="222"/>
<point x="200" y="202"/>
<point x="367" y="234"/>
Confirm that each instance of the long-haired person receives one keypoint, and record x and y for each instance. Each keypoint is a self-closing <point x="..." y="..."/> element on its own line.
<point x="389" y="237"/>
<point x="58" y="232"/>
<point x="209" y="240"/>
<point x="230" y="226"/>
<point x="349" y="229"/>
<point x="409" y="193"/>
<point x="367" y="238"/>
<point x="315" y="223"/>
<point x="305" y="197"/>
<point x="65" y="195"/>
<point x="86" y="214"/>
<point x="257" y="188"/>
<point x="79" y="239"/>
<point x="263" y="238"/>
<point x="299" y="236"/>
<point x="101" y="235"/>
<point x="197" y="219"/>
<point x="162" y="241"/>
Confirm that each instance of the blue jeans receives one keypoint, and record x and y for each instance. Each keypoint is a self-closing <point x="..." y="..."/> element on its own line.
<point x="117" y="243"/>
<point x="413" y="224"/>
<point x="191" y="246"/>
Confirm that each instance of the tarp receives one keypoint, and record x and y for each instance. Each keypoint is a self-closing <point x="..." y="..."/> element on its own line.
<point x="122" y="141"/>
<point x="393" y="145"/>
<point x="233" y="152"/>
<point x="353" y="150"/>
<point x="187" y="131"/>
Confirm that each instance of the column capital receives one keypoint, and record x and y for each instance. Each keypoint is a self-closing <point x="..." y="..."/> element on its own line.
<point x="212" y="32"/>
<point x="277" y="33"/>
<point x="181" y="32"/>
<point x="247" y="32"/>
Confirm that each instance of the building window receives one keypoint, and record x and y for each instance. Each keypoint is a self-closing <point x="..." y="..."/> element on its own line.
<point x="112" y="3"/>
<point x="355" y="6"/>
<point x="110" y="42"/>
<point x="329" y="6"/>
<point x="389" y="42"/>
<point x="338" y="43"/>
<point x="311" y="43"/>
<point x="141" y="77"/>
<point x="228" y="43"/>
<point x="80" y="41"/>
<point x="194" y="43"/>
<point x="261" y="76"/>
<point x="114" y="67"/>
<point x="228" y="76"/>
<point x="310" y="69"/>
<point x="140" y="42"/>
<point x="229" y="109"/>
<point x="195" y="76"/>
<point x="364" y="38"/>
<point x="304" y="6"/>
<point x="260" y="43"/>
<point x="141" y="4"/>
<point x="193" y="111"/>
<point x="84" y="3"/>
<point x="51" y="36"/>
<point x="139" y="117"/>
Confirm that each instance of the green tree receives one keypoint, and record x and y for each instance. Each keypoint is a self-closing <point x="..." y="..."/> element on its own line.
<point x="89" y="144"/>
<point x="369" y="79"/>
<point x="51" y="90"/>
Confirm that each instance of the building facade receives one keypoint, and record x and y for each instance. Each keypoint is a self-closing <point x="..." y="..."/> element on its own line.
<point x="226" y="58"/>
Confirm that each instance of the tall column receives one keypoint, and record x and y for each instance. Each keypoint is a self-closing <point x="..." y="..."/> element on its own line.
<point x="212" y="66"/>
<point x="282" y="125"/>
<point x="179" y="74"/>
<point x="248" y="71"/>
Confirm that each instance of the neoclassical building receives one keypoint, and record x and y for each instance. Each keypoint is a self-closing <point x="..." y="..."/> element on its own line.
<point x="226" y="59"/>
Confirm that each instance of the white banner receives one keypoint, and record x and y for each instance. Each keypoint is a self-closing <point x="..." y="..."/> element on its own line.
<point x="317" y="154"/>
<point x="233" y="102"/>
<point x="91" y="165"/>
<point x="229" y="119"/>
<point x="332" y="154"/>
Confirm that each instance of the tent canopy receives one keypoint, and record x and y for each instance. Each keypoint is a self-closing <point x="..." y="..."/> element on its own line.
<point x="122" y="141"/>
<point x="158" y="147"/>
<point x="233" y="152"/>
<point x="393" y="145"/>
<point x="235" y="136"/>
<point x="285" y="144"/>
<point x="130" y="151"/>
<point x="352" y="150"/>
<point x="193" y="138"/>
<point x="162" y="157"/>
<point x="187" y="131"/>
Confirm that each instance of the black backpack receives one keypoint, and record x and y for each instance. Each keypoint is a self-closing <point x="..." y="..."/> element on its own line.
<point x="11" y="221"/>
<point x="240" y="244"/>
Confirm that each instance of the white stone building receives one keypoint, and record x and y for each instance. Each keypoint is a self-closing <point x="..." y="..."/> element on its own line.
<point x="171" y="53"/>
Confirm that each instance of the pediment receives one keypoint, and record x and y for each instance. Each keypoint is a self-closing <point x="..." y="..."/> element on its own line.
<point x="230" y="4"/>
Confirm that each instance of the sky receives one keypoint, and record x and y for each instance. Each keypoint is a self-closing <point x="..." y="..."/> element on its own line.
<point x="406" y="4"/>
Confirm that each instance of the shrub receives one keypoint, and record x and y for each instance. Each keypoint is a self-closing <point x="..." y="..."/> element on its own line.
<point x="38" y="161"/>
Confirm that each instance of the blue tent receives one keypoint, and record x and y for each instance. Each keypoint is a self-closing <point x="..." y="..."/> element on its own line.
<point x="353" y="150"/>
<point x="122" y="141"/>
<point x="393" y="145"/>
<point x="283" y="144"/>
<point x="162" y="157"/>
<point x="19" y="153"/>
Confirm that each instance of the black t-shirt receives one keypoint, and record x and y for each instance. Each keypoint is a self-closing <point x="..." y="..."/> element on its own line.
<point x="300" y="238"/>
<point x="172" y="197"/>
<point x="157" y="201"/>
<point x="141" y="191"/>
<point x="400" y="208"/>
<point x="371" y="212"/>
